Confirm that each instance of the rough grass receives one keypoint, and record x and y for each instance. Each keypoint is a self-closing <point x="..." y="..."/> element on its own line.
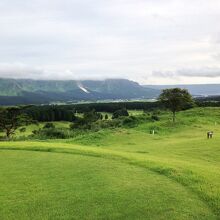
<point x="171" y="175"/>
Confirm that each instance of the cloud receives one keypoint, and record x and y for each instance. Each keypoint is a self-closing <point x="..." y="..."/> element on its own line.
<point x="216" y="56"/>
<point x="103" y="39"/>
<point x="206" y="72"/>
<point x="19" y="70"/>
<point x="202" y="72"/>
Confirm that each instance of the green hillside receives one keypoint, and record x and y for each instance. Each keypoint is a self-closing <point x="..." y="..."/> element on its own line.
<point x="123" y="173"/>
<point x="14" y="87"/>
<point x="26" y="91"/>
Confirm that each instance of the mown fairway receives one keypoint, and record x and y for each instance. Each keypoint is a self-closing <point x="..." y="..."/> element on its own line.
<point x="117" y="174"/>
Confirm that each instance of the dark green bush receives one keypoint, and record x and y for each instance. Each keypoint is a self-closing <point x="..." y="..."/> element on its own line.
<point x="2" y="138"/>
<point x="49" y="125"/>
<point x="80" y="123"/>
<point x="23" y="129"/>
<point x="107" y="124"/>
<point x="86" y="123"/>
<point x="155" y="118"/>
<point x="130" y="121"/>
<point x="92" y="116"/>
<point x="53" y="133"/>
<point x="119" y="113"/>
<point x="35" y="132"/>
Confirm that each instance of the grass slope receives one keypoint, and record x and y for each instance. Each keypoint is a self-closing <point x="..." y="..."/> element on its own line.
<point x="117" y="174"/>
<point x="63" y="186"/>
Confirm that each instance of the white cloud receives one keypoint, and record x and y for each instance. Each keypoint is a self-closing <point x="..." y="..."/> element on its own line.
<point x="135" y="39"/>
<point x="206" y="72"/>
<point x="19" y="70"/>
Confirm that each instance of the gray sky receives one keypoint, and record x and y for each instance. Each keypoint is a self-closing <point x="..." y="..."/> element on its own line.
<point x="149" y="41"/>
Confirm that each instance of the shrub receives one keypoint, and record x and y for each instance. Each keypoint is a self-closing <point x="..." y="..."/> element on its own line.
<point x="114" y="123"/>
<point x="3" y="138"/>
<point x="23" y="129"/>
<point x="106" y="124"/>
<point x="119" y="113"/>
<point x="155" y="118"/>
<point x="92" y="116"/>
<point x="80" y="123"/>
<point x="130" y="121"/>
<point x="53" y="133"/>
<point x="86" y="122"/>
<point x="106" y="117"/>
<point x="35" y="132"/>
<point x="49" y="125"/>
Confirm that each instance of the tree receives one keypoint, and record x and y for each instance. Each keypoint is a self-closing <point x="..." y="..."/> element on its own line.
<point x="92" y="116"/>
<point x="11" y="119"/>
<point x="176" y="99"/>
<point x="106" y="117"/>
<point x="80" y="123"/>
<point x="101" y="116"/>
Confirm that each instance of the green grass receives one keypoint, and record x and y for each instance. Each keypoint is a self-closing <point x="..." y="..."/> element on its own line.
<point x="117" y="174"/>
<point x="63" y="186"/>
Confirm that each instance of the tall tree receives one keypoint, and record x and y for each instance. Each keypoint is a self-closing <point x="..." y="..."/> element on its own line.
<point x="11" y="119"/>
<point x="176" y="99"/>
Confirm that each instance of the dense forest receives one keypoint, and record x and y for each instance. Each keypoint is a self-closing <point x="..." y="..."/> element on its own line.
<point x="67" y="112"/>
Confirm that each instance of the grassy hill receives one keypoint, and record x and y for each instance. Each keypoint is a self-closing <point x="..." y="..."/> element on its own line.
<point x="123" y="173"/>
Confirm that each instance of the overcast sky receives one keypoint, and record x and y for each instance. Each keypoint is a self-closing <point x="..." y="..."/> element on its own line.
<point x="149" y="41"/>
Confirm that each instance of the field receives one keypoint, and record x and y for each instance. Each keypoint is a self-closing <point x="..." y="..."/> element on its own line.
<point x="123" y="173"/>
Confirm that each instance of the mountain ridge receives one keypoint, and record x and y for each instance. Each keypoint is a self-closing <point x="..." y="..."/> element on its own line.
<point x="194" y="89"/>
<point x="28" y="91"/>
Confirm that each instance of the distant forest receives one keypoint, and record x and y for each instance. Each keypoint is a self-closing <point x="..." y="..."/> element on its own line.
<point x="67" y="112"/>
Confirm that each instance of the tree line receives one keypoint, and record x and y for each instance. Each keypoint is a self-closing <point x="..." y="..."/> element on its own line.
<point x="12" y="118"/>
<point x="68" y="112"/>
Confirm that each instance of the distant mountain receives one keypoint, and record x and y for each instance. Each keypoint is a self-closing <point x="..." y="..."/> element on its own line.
<point x="194" y="89"/>
<point x="27" y="91"/>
